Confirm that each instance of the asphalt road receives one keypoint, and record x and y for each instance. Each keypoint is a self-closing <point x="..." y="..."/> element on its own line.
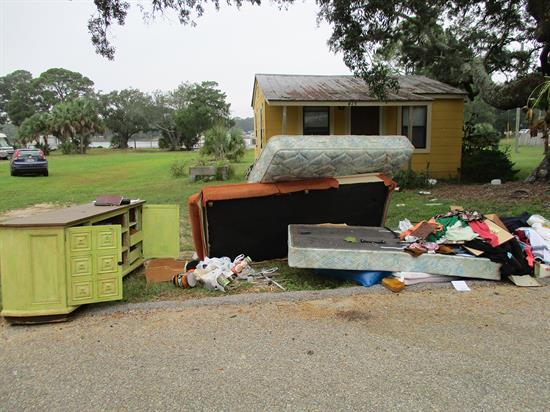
<point x="434" y="349"/>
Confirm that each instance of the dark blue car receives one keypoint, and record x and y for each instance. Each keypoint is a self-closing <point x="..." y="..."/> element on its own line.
<point x="28" y="162"/>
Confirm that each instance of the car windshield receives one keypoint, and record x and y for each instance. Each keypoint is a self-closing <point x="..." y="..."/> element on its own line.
<point x="25" y="154"/>
<point x="4" y="142"/>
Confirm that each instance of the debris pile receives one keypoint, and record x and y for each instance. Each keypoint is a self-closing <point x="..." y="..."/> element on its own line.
<point x="221" y="274"/>
<point x="520" y="244"/>
<point x="447" y="247"/>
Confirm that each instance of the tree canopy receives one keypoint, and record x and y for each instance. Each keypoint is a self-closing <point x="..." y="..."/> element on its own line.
<point x="21" y="95"/>
<point x="17" y="97"/>
<point x="460" y="42"/>
<point x="126" y="112"/>
<point x="183" y="114"/>
<point x="59" y="85"/>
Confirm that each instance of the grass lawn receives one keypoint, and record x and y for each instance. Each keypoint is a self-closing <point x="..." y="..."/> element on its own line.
<point x="146" y="175"/>
<point x="527" y="158"/>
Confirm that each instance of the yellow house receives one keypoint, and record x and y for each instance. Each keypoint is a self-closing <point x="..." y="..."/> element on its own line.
<point x="429" y="112"/>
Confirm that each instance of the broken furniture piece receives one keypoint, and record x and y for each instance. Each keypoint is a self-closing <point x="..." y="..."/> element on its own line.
<point x="253" y="218"/>
<point x="377" y="249"/>
<point x="53" y="262"/>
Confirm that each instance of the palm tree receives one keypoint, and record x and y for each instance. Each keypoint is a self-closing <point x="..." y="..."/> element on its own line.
<point x="77" y="121"/>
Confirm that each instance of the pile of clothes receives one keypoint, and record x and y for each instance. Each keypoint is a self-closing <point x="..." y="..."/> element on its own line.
<point x="516" y="243"/>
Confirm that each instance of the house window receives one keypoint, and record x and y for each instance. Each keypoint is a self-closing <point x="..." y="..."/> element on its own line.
<point x="414" y="125"/>
<point x="316" y="120"/>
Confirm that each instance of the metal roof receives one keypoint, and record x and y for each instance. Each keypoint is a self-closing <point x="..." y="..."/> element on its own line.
<point x="291" y="87"/>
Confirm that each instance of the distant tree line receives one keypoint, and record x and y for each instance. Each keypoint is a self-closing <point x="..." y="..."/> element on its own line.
<point x="64" y="104"/>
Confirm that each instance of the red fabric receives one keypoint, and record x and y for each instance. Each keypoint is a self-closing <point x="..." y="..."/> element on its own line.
<point x="248" y="190"/>
<point x="483" y="230"/>
<point x="529" y="256"/>
<point x="524" y="239"/>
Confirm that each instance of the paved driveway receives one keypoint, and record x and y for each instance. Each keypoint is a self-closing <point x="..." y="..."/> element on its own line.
<point x="430" y="349"/>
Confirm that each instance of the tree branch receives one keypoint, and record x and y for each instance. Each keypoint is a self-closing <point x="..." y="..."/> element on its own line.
<point x="504" y="96"/>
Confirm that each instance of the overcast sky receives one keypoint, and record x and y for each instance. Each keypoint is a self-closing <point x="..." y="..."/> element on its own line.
<point x="228" y="46"/>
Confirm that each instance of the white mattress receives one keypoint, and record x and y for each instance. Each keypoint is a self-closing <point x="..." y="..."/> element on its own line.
<point x="286" y="158"/>
<point x="319" y="247"/>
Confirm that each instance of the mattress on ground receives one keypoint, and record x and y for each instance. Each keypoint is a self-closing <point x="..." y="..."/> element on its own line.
<point x="377" y="249"/>
<point x="253" y="219"/>
<point x="286" y="158"/>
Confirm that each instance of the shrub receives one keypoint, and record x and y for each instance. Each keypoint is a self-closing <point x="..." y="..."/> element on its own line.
<point x="177" y="169"/>
<point x="482" y="166"/>
<point x="164" y="143"/>
<point x="67" y="147"/>
<point x="409" y="179"/>
<point x="480" y="136"/>
<point x="223" y="143"/>
<point x="116" y="142"/>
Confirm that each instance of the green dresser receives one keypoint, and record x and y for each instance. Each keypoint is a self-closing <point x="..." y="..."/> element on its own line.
<point x="53" y="262"/>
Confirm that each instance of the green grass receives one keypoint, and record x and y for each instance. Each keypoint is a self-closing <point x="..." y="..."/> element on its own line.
<point x="527" y="158"/>
<point x="146" y="175"/>
<point x="80" y="178"/>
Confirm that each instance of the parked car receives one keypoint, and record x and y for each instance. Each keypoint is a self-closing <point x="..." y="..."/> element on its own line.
<point x="6" y="150"/>
<point x="28" y="161"/>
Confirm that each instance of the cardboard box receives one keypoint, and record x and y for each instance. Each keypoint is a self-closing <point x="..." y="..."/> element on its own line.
<point x="542" y="270"/>
<point x="163" y="270"/>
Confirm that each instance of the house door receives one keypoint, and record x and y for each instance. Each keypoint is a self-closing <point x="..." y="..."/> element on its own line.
<point x="365" y="120"/>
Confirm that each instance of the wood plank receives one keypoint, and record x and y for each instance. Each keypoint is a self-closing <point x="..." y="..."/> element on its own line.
<point x="66" y="216"/>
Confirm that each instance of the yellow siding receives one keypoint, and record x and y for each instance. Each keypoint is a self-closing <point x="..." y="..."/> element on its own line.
<point x="389" y="114"/>
<point x="445" y="155"/>
<point x="340" y="120"/>
<point x="294" y="120"/>
<point x="273" y="121"/>
<point x="259" y="106"/>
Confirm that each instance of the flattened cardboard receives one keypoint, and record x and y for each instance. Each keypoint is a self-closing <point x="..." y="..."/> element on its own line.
<point x="473" y="251"/>
<point x="502" y="234"/>
<point x="494" y="218"/>
<point x="524" y="281"/>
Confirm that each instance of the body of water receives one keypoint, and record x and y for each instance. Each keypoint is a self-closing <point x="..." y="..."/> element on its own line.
<point x="140" y="144"/>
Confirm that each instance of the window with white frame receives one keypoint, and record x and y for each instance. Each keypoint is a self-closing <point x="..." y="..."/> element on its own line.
<point x="414" y="125"/>
<point x="316" y="121"/>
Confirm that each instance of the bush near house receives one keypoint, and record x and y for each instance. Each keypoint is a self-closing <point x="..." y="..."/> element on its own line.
<point x="482" y="160"/>
<point x="484" y="165"/>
